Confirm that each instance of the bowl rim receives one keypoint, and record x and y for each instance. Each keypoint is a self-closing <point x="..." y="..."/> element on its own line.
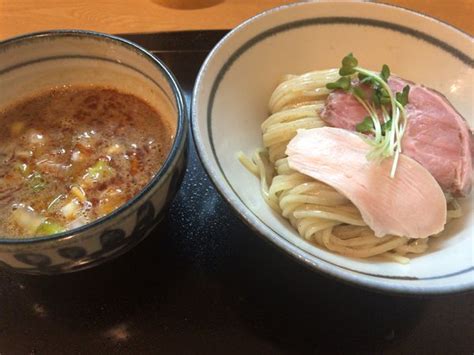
<point x="321" y="266"/>
<point x="173" y="155"/>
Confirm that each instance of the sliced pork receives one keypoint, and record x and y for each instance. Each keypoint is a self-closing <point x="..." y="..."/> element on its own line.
<point x="412" y="204"/>
<point x="437" y="136"/>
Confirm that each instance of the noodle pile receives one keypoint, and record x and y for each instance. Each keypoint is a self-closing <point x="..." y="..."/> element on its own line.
<point x="319" y="213"/>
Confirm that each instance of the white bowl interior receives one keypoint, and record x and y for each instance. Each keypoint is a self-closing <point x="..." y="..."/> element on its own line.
<point x="238" y="78"/>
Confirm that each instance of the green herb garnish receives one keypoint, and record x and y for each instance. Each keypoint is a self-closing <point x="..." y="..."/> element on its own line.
<point x="343" y="83"/>
<point x="385" y="73"/>
<point x="363" y="78"/>
<point x="402" y="97"/>
<point x="386" y="126"/>
<point x="386" y="131"/>
<point x="349" y="63"/>
<point x="357" y="91"/>
<point x="366" y="126"/>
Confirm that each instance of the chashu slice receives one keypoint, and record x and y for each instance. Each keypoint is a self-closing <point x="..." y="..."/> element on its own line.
<point x="437" y="136"/>
<point x="412" y="204"/>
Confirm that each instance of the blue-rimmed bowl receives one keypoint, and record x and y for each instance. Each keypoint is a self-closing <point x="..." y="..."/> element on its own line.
<point x="231" y="101"/>
<point x="40" y="61"/>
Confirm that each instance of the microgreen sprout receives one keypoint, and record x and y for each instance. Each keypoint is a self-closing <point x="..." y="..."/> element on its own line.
<point x="343" y="83"/>
<point x="385" y="73"/>
<point x="386" y="120"/>
<point x="366" y="126"/>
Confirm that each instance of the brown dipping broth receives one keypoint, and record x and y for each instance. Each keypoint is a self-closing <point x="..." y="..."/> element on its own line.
<point x="69" y="156"/>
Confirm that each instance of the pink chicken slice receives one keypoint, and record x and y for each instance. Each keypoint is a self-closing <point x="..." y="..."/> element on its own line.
<point x="412" y="204"/>
<point x="437" y="136"/>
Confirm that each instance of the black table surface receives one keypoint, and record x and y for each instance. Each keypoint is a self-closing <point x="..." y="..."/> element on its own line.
<point x="204" y="283"/>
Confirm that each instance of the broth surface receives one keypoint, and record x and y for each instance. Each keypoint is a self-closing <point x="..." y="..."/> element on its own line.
<point x="69" y="156"/>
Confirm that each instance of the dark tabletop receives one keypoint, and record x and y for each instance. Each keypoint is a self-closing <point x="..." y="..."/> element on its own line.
<point x="204" y="283"/>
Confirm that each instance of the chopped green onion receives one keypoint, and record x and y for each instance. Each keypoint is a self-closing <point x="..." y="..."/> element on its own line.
<point x="48" y="227"/>
<point x="100" y="171"/>
<point x="36" y="182"/>
<point x="23" y="169"/>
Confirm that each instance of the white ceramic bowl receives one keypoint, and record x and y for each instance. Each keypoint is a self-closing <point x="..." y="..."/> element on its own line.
<point x="236" y="81"/>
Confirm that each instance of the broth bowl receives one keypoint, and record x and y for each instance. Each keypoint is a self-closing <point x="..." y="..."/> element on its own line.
<point x="231" y="101"/>
<point x="37" y="62"/>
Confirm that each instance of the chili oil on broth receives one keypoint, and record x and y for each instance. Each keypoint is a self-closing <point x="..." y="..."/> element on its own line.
<point x="74" y="154"/>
